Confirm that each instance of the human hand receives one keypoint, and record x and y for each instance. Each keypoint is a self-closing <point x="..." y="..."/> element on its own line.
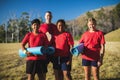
<point x="49" y="36"/>
<point x="68" y="62"/>
<point x="99" y="63"/>
<point x="29" y="54"/>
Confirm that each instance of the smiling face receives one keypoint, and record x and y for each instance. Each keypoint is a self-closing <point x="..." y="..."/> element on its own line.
<point x="92" y="24"/>
<point x="35" y="27"/>
<point x="60" y="27"/>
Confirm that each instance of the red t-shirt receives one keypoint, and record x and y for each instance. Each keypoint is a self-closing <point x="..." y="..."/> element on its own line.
<point x="92" y="43"/>
<point x="51" y="28"/>
<point x="34" y="41"/>
<point x="62" y="44"/>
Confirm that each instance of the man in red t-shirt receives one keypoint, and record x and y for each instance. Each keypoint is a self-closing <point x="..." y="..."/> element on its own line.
<point x="48" y="27"/>
<point x="35" y="63"/>
<point x="92" y="57"/>
<point x="50" y="30"/>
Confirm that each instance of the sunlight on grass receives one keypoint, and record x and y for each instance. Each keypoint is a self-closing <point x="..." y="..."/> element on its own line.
<point x="113" y="36"/>
<point x="13" y="67"/>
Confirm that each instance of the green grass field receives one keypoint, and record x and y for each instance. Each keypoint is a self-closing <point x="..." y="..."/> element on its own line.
<point x="12" y="67"/>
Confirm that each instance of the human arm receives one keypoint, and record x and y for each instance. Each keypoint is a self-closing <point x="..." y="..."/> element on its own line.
<point x="49" y="36"/>
<point x="70" y="56"/>
<point x="71" y="44"/>
<point x="23" y="44"/>
<point x="25" y="50"/>
<point x="102" y="51"/>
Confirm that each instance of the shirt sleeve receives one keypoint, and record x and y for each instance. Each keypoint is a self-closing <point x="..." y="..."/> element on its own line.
<point x="70" y="39"/>
<point x="102" y="38"/>
<point x="81" y="39"/>
<point x="26" y="39"/>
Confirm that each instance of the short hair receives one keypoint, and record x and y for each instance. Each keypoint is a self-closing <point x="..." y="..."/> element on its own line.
<point x="92" y="20"/>
<point x="49" y="12"/>
<point x="37" y="21"/>
<point x="60" y="20"/>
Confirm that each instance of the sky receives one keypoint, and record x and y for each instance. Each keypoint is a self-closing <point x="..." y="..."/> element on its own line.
<point x="61" y="9"/>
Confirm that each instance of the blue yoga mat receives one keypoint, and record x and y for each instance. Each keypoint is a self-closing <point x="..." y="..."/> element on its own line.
<point x="50" y="50"/>
<point x="34" y="50"/>
<point x="77" y="49"/>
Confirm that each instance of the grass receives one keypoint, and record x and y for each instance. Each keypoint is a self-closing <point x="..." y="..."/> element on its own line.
<point x="113" y="36"/>
<point x="12" y="67"/>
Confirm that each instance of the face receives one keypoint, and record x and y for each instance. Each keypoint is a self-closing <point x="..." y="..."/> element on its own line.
<point x="60" y="27"/>
<point x="91" y="26"/>
<point x="48" y="16"/>
<point x="35" y="26"/>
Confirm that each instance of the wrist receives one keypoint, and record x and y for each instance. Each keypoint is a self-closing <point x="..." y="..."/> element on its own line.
<point x="25" y="51"/>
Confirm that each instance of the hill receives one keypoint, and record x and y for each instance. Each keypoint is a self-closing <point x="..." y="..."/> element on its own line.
<point x="113" y="36"/>
<point x="107" y="20"/>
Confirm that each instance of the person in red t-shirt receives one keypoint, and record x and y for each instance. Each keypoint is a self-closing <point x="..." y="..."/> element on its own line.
<point x="48" y="27"/>
<point x="50" y="30"/>
<point x="62" y="58"/>
<point x="94" y="49"/>
<point x="35" y="63"/>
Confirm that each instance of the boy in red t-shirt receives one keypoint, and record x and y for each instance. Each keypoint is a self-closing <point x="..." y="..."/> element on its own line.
<point x="92" y="57"/>
<point x="62" y="58"/>
<point x="35" y="63"/>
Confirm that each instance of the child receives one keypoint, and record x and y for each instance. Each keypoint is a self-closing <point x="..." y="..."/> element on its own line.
<point x="35" y="63"/>
<point x="92" y="56"/>
<point x="62" y="57"/>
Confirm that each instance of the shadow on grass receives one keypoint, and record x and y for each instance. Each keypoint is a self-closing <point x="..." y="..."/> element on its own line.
<point x="112" y="79"/>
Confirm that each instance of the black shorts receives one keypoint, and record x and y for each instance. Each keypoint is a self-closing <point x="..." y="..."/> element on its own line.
<point x="60" y="63"/>
<point x="36" y="66"/>
<point x="89" y="63"/>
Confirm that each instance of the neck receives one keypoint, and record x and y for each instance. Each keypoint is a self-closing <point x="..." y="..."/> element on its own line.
<point x="93" y="30"/>
<point x="35" y="32"/>
<point x="48" y="22"/>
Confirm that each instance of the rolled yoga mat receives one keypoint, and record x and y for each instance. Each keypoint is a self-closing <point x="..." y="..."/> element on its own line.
<point x="34" y="50"/>
<point x="77" y="49"/>
<point x="50" y="50"/>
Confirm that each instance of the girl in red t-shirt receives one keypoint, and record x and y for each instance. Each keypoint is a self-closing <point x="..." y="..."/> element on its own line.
<point x="92" y="56"/>
<point x="62" y="58"/>
<point x="35" y="63"/>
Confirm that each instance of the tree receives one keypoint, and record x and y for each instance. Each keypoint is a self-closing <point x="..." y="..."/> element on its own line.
<point x="2" y="33"/>
<point x="116" y="16"/>
<point x="24" y="25"/>
<point x="116" y="11"/>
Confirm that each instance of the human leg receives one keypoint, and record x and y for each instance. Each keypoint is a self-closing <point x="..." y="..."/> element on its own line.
<point x="66" y="68"/>
<point x="87" y="68"/>
<point x="95" y="72"/>
<point x="67" y="75"/>
<point x="58" y="74"/>
<point x="41" y="69"/>
<point x="30" y="70"/>
<point x="30" y="76"/>
<point x="42" y="76"/>
<point x="57" y="68"/>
